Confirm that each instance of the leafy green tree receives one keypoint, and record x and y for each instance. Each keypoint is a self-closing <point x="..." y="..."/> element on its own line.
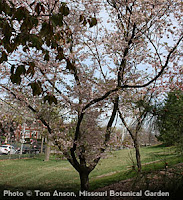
<point x="170" y="118"/>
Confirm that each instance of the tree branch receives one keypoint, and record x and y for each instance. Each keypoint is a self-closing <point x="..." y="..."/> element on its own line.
<point x="111" y="120"/>
<point x="161" y="71"/>
<point x="125" y="124"/>
<point x="30" y="107"/>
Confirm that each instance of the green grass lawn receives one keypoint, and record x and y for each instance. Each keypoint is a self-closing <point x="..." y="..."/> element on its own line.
<point x="34" y="173"/>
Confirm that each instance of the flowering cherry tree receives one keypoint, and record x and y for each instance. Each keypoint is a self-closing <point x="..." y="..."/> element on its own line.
<point x="82" y="56"/>
<point x="136" y="110"/>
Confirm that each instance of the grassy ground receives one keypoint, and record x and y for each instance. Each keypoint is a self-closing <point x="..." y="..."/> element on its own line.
<point x="34" y="173"/>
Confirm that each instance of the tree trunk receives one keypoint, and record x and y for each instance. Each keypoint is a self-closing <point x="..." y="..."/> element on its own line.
<point x="42" y="141"/>
<point x="84" y="179"/>
<point x="137" y="149"/>
<point x="47" y="151"/>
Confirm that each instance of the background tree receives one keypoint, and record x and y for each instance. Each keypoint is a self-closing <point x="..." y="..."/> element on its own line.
<point x="9" y="122"/>
<point x="53" y="116"/>
<point x="66" y="54"/>
<point x="170" y="118"/>
<point x="135" y="116"/>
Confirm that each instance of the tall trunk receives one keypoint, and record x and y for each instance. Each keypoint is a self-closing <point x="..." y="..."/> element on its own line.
<point x="84" y="179"/>
<point x="47" y="151"/>
<point x="42" y="141"/>
<point x="137" y="149"/>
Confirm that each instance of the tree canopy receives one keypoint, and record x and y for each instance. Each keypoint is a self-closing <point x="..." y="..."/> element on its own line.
<point x="84" y="56"/>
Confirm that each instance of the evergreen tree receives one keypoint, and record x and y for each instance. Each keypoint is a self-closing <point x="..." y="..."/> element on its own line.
<point x="170" y="118"/>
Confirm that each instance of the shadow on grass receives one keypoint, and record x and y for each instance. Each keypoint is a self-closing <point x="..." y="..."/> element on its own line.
<point x="158" y="146"/>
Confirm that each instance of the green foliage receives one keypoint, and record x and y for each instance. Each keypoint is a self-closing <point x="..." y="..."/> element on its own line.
<point x="60" y="55"/>
<point x="64" y="10"/>
<point x="70" y="66"/>
<point x="57" y="20"/>
<point x="144" y="104"/>
<point x="16" y="77"/>
<point x="47" y="35"/>
<point x="29" y="23"/>
<point x="4" y="7"/>
<point x="46" y="29"/>
<point x="3" y="57"/>
<point x="91" y="20"/>
<point x="47" y="57"/>
<point x="6" y="30"/>
<point x="20" y="70"/>
<point x="21" y="13"/>
<point x="170" y="118"/>
<point x="50" y="98"/>
<point x="31" y="69"/>
<point x="36" y="88"/>
<point x="35" y="41"/>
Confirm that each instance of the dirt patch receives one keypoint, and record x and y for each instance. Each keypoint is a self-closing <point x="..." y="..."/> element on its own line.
<point x="162" y="184"/>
